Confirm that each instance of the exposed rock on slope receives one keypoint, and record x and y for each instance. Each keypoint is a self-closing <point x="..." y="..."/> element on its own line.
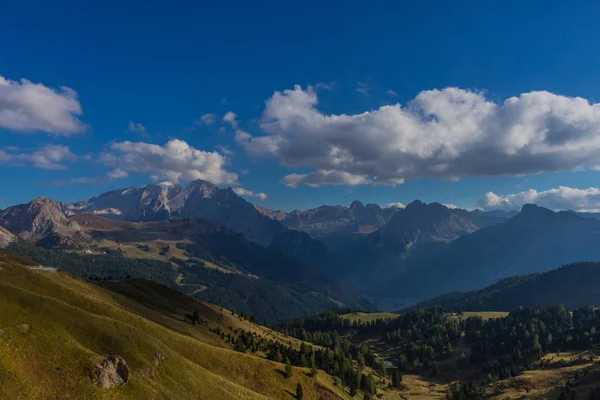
<point x="200" y="199"/>
<point x="421" y="223"/>
<point x="6" y="238"/>
<point x="110" y="373"/>
<point x="40" y="220"/>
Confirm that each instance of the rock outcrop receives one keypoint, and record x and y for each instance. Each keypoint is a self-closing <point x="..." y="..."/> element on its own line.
<point x="6" y="238"/>
<point x="111" y="372"/>
<point x="41" y="219"/>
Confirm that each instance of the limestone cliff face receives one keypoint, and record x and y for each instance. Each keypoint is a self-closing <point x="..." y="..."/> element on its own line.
<point x="6" y="238"/>
<point x="200" y="199"/>
<point x="39" y="219"/>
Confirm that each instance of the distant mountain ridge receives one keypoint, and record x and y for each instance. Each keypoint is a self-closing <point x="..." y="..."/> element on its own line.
<point x="573" y="285"/>
<point x="534" y="240"/>
<point x="334" y="220"/>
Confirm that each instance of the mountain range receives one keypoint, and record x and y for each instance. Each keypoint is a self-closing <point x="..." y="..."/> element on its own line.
<point x="406" y="254"/>
<point x="534" y="240"/>
<point x="326" y="221"/>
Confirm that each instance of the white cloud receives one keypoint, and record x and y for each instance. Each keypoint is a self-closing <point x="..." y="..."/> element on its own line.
<point x="27" y="107"/>
<point x="249" y="193"/>
<point x="445" y="134"/>
<point x="325" y="85"/>
<point x="117" y="174"/>
<point x="230" y="117"/>
<point x="137" y="129"/>
<point x="225" y="150"/>
<point x="450" y="206"/>
<point x="323" y="177"/>
<point x="174" y="161"/>
<point x="391" y="93"/>
<point x="561" y="198"/>
<point x="207" y="119"/>
<point x="394" y="205"/>
<point x="47" y="157"/>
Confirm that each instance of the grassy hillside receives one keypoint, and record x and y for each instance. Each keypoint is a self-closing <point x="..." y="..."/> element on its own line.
<point x="368" y="317"/>
<point x="267" y="299"/>
<point x="55" y="328"/>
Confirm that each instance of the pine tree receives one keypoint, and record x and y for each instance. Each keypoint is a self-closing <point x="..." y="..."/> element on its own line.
<point x="313" y="371"/>
<point x="353" y="390"/>
<point x="299" y="392"/>
<point x="288" y="368"/>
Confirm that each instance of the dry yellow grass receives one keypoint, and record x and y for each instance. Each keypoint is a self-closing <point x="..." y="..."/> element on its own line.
<point x="483" y="314"/>
<point x="368" y="317"/>
<point x="74" y="323"/>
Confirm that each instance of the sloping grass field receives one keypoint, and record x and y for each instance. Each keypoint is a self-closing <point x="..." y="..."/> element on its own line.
<point x="55" y="328"/>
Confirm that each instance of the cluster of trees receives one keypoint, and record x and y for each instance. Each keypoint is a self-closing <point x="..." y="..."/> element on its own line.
<point x="509" y="345"/>
<point x="420" y="336"/>
<point x="500" y="347"/>
<point x="337" y="361"/>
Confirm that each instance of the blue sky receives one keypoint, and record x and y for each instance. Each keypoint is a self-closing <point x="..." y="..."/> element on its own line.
<point x="145" y="72"/>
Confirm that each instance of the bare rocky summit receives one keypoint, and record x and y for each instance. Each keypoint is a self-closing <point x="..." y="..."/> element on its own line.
<point x="40" y="219"/>
<point x="200" y="199"/>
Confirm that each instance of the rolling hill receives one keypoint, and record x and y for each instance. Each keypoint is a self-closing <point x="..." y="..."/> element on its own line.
<point x="59" y="334"/>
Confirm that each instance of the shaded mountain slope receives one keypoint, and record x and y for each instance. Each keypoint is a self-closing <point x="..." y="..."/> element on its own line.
<point x="573" y="285"/>
<point x="535" y="240"/>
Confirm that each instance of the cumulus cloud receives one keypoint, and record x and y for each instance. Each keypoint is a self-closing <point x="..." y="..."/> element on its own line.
<point x="450" y="206"/>
<point x="249" y="193"/>
<point x="207" y="119"/>
<point x="230" y="117"/>
<point x="394" y="205"/>
<point x="137" y="128"/>
<point x="323" y="177"/>
<point x="445" y="134"/>
<point x="561" y="198"/>
<point x="47" y="157"/>
<point x="27" y="107"/>
<point x="174" y="161"/>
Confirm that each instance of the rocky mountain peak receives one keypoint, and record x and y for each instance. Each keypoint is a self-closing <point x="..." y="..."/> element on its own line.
<point x="37" y="219"/>
<point x="356" y="204"/>
<point x="204" y="188"/>
<point x="534" y="212"/>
